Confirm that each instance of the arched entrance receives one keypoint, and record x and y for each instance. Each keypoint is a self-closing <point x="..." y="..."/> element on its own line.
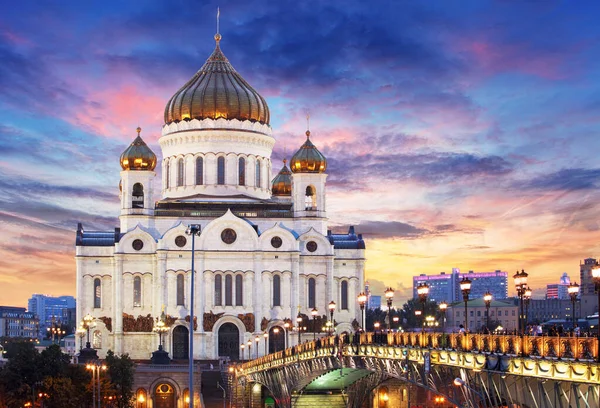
<point x="181" y="343"/>
<point x="276" y="339"/>
<point x="229" y="341"/>
<point x="164" y="396"/>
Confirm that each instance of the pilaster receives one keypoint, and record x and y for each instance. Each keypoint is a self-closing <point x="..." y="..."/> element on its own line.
<point x="118" y="303"/>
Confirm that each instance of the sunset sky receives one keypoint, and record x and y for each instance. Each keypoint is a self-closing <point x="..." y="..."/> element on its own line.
<point x="458" y="133"/>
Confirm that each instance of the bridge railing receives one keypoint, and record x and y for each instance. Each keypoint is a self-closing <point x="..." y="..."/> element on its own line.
<point x="576" y="348"/>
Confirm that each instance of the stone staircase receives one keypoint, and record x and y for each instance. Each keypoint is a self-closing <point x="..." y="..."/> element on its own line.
<point x="211" y="394"/>
<point x="320" y="400"/>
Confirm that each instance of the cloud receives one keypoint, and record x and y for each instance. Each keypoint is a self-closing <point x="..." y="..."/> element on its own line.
<point x="565" y="179"/>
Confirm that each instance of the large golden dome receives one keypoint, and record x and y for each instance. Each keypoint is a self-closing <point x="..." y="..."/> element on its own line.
<point x="282" y="183"/>
<point x="138" y="156"/>
<point x="308" y="159"/>
<point x="217" y="91"/>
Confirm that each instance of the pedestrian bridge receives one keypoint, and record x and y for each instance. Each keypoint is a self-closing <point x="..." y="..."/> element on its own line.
<point x="474" y="370"/>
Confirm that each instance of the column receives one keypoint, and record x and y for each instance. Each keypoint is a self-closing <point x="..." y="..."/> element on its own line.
<point x="118" y="303"/>
<point x="258" y="315"/>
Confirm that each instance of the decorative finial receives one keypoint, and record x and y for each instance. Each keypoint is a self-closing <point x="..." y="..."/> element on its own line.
<point x="308" y="133"/>
<point x="284" y="162"/>
<point x="217" y="35"/>
<point x="307" y="124"/>
<point x="139" y="129"/>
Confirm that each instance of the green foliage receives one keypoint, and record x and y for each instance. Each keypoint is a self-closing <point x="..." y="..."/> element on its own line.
<point x="121" y="370"/>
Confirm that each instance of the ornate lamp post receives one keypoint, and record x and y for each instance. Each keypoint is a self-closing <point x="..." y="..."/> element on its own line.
<point x="422" y="291"/>
<point x="573" y="290"/>
<point x="418" y="314"/>
<point x="443" y="307"/>
<point x="396" y="319"/>
<point x="465" y="288"/>
<point x="487" y="298"/>
<point x="250" y="349"/>
<point x="314" y="314"/>
<point x="596" y="278"/>
<point x="87" y="322"/>
<point x="362" y="301"/>
<point x="331" y="307"/>
<point x="257" y="339"/>
<point x="160" y="356"/>
<point x="243" y="346"/>
<point x="266" y="336"/>
<point x="299" y="326"/>
<point x="276" y="333"/>
<point x="526" y="299"/>
<point x="286" y="328"/>
<point x="81" y="334"/>
<point x="96" y="369"/>
<point x="194" y="231"/>
<point x="389" y="295"/>
<point x="520" y="285"/>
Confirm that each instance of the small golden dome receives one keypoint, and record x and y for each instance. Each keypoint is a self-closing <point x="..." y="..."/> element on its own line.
<point x="282" y="183"/>
<point x="308" y="159"/>
<point x="217" y="91"/>
<point x="138" y="156"/>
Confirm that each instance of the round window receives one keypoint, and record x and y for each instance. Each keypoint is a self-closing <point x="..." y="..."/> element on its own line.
<point x="180" y="241"/>
<point x="311" y="246"/>
<point x="228" y="236"/>
<point x="137" y="244"/>
<point x="276" y="242"/>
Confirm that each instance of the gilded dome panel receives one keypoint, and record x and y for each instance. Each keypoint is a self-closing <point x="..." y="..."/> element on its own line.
<point x="282" y="183"/>
<point x="216" y="91"/>
<point x="308" y="159"/>
<point x="138" y="156"/>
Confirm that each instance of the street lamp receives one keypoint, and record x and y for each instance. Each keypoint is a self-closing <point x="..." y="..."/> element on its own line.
<point x="362" y="301"/>
<point x="286" y="328"/>
<point x="276" y="333"/>
<point x="87" y="322"/>
<point x="465" y="287"/>
<point x="243" y="346"/>
<point x="250" y="349"/>
<point x="314" y="314"/>
<point x="95" y="368"/>
<point x="389" y="295"/>
<point x="527" y="299"/>
<point x="266" y="336"/>
<point x="160" y="356"/>
<point x="573" y="290"/>
<point x="487" y="298"/>
<point x="596" y="279"/>
<point x="331" y="310"/>
<point x="81" y="333"/>
<point x="443" y="307"/>
<point x="422" y="291"/>
<point x="257" y="339"/>
<point x="194" y="231"/>
<point x="299" y="321"/>
<point x="396" y="319"/>
<point x="520" y="285"/>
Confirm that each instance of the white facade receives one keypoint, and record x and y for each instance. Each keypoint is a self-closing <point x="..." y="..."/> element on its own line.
<point x="216" y="173"/>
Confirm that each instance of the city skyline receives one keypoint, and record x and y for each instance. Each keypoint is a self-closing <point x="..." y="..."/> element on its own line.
<point x="464" y="129"/>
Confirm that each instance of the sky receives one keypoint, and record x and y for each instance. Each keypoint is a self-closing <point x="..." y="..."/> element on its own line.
<point x="457" y="133"/>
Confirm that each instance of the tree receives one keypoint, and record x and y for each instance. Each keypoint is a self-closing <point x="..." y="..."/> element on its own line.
<point x="411" y="320"/>
<point x="120" y="371"/>
<point x="20" y="375"/>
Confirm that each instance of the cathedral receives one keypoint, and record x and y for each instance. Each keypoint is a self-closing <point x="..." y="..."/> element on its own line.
<point x="266" y="265"/>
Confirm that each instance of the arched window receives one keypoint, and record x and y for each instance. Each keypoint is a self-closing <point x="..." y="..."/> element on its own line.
<point x="221" y="170"/>
<point x="242" y="171"/>
<point x="179" y="172"/>
<point x="239" y="290"/>
<point x="180" y="290"/>
<point x="167" y="174"/>
<point x="258" y="173"/>
<point x="137" y="196"/>
<point x="218" y="290"/>
<point x="310" y="199"/>
<point x="199" y="171"/>
<point x="137" y="291"/>
<point x="312" y="290"/>
<point x="276" y="290"/>
<point x="344" y="295"/>
<point x="228" y="290"/>
<point x="97" y="293"/>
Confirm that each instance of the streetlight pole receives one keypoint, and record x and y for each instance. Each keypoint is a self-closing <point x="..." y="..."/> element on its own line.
<point x="527" y="299"/>
<point x="443" y="307"/>
<point x="396" y="319"/>
<point x="487" y="298"/>
<point x="276" y="334"/>
<point x="87" y="322"/>
<point x="596" y="278"/>
<point x="573" y="290"/>
<point x="250" y="349"/>
<point x="299" y="321"/>
<point x="286" y="327"/>
<point x="520" y="285"/>
<point x="314" y="314"/>
<point x="194" y="231"/>
<point x="257" y="339"/>
<point x="423" y="291"/>
<point x="331" y="310"/>
<point x="362" y="301"/>
<point x="243" y="346"/>
<point x="95" y="368"/>
<point x="266" y="336"/>
<point x="465" y="287"/>
<point x="389" y="295"/>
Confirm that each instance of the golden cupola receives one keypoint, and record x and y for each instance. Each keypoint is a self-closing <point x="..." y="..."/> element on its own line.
<point x="217" y="91"/>
<point x="282" y="183"/>
<point x="308" y="159"/>
<point x="138" y="156"/>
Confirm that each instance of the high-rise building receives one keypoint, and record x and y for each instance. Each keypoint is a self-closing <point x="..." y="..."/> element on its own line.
<point x="16" y="322"/>
<point x="374" y="302"/>
<point x="559" y="290"/>
<point x="52" y="310"/>
<point x="585" y="275"/>
<point x="446" y="287"/>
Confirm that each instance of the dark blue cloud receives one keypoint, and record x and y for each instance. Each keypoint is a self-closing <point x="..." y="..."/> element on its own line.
<point x="565" y="179"/>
